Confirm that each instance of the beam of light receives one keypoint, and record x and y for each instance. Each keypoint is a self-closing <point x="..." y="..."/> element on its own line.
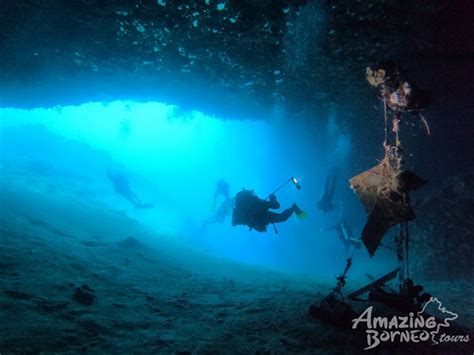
<point x="181" y="152"/>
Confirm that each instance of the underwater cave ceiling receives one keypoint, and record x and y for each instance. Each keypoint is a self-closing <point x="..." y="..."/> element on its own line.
<point x="236" y="56"/>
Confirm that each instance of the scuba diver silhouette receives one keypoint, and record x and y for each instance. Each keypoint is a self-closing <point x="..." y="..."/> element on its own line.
<point x="252" y="211"/>
<point x="222" y="189"/>
<point x="325" y="204"/>
<point x="225" y="208"/>
<point x="122" y="188"/>
<point x="344" y="232"/>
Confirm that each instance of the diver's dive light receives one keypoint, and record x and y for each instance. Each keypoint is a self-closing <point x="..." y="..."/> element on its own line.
<point x="296" y="183"/>
<point x="291" y="179"/>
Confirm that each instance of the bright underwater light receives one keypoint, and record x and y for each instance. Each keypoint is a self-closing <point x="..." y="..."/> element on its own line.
<point x="296" y="183"/>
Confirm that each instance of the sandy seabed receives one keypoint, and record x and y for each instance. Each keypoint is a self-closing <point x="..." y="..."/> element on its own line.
<point x="150" y="294"/>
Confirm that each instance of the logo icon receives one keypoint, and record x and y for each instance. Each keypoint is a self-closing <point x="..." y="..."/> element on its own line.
<point x="428" y="324"/>
<point x="435" y="307"/>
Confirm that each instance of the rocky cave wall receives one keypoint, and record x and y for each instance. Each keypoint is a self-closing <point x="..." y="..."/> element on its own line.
<point x="443" y="234"/>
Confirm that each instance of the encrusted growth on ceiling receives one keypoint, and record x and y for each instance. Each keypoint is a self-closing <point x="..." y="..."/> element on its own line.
<point x="302" y="53"/>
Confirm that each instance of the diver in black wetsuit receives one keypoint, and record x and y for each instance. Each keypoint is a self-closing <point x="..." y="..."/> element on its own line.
<point x="325" y="204"/>
<point x="122" y="187"/>
<point x="254" y="212"/>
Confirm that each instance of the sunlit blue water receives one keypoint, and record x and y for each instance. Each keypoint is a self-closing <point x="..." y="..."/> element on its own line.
<point x="173" y="158"/>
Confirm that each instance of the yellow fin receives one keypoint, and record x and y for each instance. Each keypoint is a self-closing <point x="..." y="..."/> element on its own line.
<point x="302" y="215"/>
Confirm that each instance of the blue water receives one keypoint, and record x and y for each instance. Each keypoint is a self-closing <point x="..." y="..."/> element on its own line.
<point x="173" y="158"/>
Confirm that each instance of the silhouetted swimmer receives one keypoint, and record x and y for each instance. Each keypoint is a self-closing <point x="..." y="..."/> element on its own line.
<point x="222" y="189"/>
<point x="325" y="204"/>
<point x="222" y="192"/>
<point x="122" y="187"/>
<point x="252" y="211"/>
<point x="344" y="232"/>
<point x="220" y="214"/>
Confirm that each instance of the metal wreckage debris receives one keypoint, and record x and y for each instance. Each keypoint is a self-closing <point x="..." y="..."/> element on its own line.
<point x="384" y="191"/>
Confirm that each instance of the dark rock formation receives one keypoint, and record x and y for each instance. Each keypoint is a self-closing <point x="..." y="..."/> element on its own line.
<point x="18" y="295"/>
<point x="442" y="236"/>
<point x="333" y="311"/>
<point x="245" y="53"/>
<point x="131" y="243"/>
<point x="240" y="58"/>
<point x="84" y="295"/>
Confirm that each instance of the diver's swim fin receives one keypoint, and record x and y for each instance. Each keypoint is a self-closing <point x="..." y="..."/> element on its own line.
<point x="300" y="214"/>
